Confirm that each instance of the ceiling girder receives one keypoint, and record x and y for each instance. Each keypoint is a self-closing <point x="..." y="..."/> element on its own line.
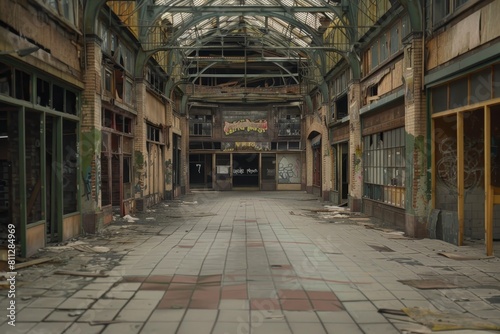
<point x="345" y="13"/>
<point x="197" y="18"/>
<point x="240" y="10"/>
<point x="243" y="75"/>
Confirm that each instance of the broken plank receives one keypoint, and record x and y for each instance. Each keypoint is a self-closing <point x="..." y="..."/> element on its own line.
<point x="33" y="262"/>
<point x="461" y="257"/>
<point x="80" y="273"/>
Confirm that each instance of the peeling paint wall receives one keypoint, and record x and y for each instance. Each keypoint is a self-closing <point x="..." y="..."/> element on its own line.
<point x="465" y="35"/>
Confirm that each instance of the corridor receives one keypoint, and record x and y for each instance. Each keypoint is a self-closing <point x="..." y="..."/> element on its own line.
<point x="250" y="262"/>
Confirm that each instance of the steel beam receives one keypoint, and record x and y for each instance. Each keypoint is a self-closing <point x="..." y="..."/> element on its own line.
<point x="243" y="10"/>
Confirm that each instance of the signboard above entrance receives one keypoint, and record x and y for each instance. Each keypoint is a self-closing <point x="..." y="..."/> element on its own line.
<point x="246" y="146"/>
<point x="247" y="125"/>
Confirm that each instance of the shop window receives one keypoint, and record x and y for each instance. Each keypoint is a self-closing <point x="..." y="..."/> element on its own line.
<point x="107" y="81"/>
<point x="395" y="39"/>
<point x="156" y="80"/>
<point x="107" y="119"/>
<point x="289" y="168"/>
<point x="70" y="106"/>
<point x="58" y="98"/>
<point x="119" y="84"/>
<point x="33" y="167"/>
<point x="317" y="166"/>
<point x="374" y="55"/>
<point x="116" y="121"/>
<point x="496" y="80"/>
<point x="126" y="170"/>
<point x="481" y="87"/>
<point x="127" y="177"/>
<point x="128" y="91"/>
<point x="154" y="134"/>
<point x="5" y="79"/>
<point x="23" y="85"/>
<point x="176" y="161"/>
<point x="473" y="88"/>
<point x="282" y="146"/>
<point x="458" y="93"/>
<point x="119" y="123"/>
<point x="384" y="167"/>
<point x="127" y="144"/>
<point x="440" y="99"/>
<point x="289" y="123"/>
<point x="105" y="180"/>
<point x="70" y="167"/>
<point x="341" y="107"/>
<point x="63" y="8"/>
<point x="200" y="125"/>
<point x="443" y="8"/>
<point x="384" y="48"/>
<point x="43" y="93"/>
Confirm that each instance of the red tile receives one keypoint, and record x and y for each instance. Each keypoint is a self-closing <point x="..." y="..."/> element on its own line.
<point x="238" y="291"/>
<point x="181" y="286"/>
<point x="292" y="294"/>
<point x="173" y="303"/>
<point x="296" y="305"/>
<point x="158" y="279"/>
<point x="184" y="279"/>
<point x="179" y="294"/>
<point x="234" y="295"/>
<point x="322" y="295"/>
<point x="235" y="287"/>
<point x="134" y="279"/>
<point x="206" y="294"/>
<point x="154" y="286"/>
<point x="264" y="304"/>
<point x="209" y="279"/>
<point x="211" y="304"/>
<point x="327" y="305"/>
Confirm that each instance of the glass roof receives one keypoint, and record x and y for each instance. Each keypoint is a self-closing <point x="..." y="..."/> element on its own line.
<point x="296" y="30"/>
<point x="246" y="43"/>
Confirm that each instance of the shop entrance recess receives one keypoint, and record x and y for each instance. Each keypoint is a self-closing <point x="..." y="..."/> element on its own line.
<point x="246" y="170"/>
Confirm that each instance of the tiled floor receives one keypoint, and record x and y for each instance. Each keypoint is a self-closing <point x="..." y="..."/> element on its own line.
<point x="256" y="262"/>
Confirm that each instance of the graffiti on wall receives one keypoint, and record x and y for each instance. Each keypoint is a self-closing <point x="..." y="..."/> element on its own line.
<point x="446" y="166"/>
<point x="168" y="171"/>
<point x="289" y="169"/>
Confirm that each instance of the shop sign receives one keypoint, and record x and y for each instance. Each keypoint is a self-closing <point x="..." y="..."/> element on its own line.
<point x="243" y="171"/>
<point x="247" y="125"/>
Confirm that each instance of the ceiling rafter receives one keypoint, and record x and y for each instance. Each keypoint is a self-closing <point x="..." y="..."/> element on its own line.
<point x="290" y="30"/>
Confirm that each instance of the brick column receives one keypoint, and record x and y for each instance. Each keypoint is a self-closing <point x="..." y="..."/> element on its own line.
<point x="416" y="199"/>
<point x="140" y="135"/>
<point x="355" y="147"/>
<point x="327" y="152"/>
<point x="90" y="138"/>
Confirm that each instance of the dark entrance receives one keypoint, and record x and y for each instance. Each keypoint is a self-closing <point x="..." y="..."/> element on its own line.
<point x="345" y="172"/>
<point x="246" y="170"/>
<point x="200" y="171"/>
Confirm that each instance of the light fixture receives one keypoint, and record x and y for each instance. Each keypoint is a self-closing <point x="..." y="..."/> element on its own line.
<point x="21" y="52"/>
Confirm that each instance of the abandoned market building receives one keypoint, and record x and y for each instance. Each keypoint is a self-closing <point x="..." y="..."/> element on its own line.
<point x="109" y="107"/>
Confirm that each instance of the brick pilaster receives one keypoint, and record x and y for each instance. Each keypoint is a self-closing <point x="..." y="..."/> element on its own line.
<point x="355" y="147"/>
<point x="90" y="127"/>
<point x="416" y="199"/>
<point x="140" y="136"/>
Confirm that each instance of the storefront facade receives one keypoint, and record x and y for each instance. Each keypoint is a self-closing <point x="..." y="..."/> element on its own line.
<point x="232" y="148"/>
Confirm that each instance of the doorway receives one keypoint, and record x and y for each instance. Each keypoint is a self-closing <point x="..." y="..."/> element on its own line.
<point x="200" y="171"/>
<point x="344" y="173"/>
<point x="246" y="170"/>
